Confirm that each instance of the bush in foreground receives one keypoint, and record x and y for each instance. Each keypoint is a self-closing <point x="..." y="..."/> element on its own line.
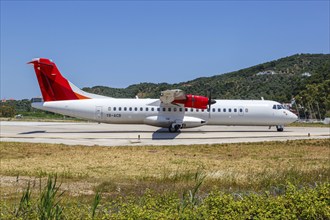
<point x="308" y="202"/>
<point x="304" y="203"/>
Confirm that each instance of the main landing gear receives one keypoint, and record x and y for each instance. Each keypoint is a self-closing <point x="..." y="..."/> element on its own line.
<point x="174" y="127"/>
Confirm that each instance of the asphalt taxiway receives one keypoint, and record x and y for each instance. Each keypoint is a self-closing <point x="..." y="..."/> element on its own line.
<point x="118" y="135"/>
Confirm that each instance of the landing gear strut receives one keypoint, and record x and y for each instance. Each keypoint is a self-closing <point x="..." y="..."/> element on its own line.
<point x="174" y="128"/>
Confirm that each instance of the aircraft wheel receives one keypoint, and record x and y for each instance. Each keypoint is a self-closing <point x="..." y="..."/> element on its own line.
<point x="171" y="129"/>
<point x="279" y="128"/>
<point x="176" y="128"/>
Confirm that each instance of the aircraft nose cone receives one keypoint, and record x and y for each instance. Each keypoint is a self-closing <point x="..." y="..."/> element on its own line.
<point x="293" y="116"/>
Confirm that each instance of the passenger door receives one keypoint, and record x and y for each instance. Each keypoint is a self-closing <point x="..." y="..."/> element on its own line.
<point x="98" y="113"/>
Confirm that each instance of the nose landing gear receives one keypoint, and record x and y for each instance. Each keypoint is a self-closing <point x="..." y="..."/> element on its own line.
<point x="280" y="128"/>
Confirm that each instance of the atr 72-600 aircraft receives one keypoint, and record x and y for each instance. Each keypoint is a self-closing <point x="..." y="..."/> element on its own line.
<point x="174" y="109"/>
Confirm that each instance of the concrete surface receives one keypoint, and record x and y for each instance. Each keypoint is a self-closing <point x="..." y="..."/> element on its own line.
<point x="117" y="135"/>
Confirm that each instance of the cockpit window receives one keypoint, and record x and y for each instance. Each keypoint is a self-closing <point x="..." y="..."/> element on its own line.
<point x="278" y="107"/>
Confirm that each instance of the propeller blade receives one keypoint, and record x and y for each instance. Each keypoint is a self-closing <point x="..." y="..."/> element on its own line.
<point x="210" y="100"/>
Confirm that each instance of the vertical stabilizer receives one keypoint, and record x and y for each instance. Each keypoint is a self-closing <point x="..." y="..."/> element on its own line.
<point x="53" y="86"/>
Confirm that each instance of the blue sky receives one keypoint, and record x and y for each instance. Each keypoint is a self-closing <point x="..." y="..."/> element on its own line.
<point x="116" y="44"/>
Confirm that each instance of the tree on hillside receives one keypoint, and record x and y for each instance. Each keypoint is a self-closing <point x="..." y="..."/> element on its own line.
<point x="7" y="111"/>
<point x="316" y="95"/>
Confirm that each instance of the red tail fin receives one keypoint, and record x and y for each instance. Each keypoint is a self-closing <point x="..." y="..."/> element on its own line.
<point x="53" y="86"/>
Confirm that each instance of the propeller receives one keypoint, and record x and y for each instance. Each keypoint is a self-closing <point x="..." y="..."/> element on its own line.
<point x="210" y="102"/>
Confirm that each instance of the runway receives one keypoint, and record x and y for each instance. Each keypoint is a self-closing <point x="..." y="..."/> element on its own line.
<point x="122" y="135"/>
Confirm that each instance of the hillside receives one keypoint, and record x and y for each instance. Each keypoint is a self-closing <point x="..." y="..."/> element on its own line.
<point x="303" y="76"/>
<point x="241" y="84"/>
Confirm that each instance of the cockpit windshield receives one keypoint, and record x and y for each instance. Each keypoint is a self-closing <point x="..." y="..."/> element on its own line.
<point x="278" y="107"/>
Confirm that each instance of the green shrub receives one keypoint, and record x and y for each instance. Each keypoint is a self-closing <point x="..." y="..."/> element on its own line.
<point x="296" y="202"/>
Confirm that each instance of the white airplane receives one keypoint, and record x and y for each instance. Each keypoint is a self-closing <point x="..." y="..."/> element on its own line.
<point x="173" y="110"/>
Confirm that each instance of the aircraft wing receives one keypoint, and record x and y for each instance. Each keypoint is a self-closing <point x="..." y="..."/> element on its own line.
<point x="169" y="96"/>
<point x="177" y="96"/>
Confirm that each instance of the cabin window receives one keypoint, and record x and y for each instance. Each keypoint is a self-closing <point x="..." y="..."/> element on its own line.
<point x="109" y="109"/>
<point x="202" y="110"/>
<point x="224" y="110"/>
<point x="246" y="110"/>
<point x="152" y="109"/>
<point x="235" y="109"/>
<point x="114" y="108"/>
<point x="125" y="108"/>
<point x="274" y="106"/>
<point x="197" y="110"/>
<point x="147" y="109"/>
<point x="229" y="110"/>
<point x="135" y="109"/>
<point x="186" y="109"/>
<point x="130" y="108"/>
<point x="219" y="109"/>
<point x="241" y="110"/>
<point x="164" y="109"/>
<point x="158" y="109"/>
<point x="169" y="109"/>
<point x="119" y="109"/>
<point x="174" y="109"/>
<point x="191" y="109"/>
<point x="208" y="110"/>
<point x="213" y="109"/>
<point x="180" y="109"/>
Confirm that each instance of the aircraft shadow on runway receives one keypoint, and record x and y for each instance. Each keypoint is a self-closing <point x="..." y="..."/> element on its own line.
<point x="164" y="134"/>
<point x="83" y="132"/>
<point x="33" y="132"/>
<point x="160" y="134"/>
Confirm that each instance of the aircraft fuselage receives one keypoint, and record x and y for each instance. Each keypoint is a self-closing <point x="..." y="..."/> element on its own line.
<point x="138" y="111"/>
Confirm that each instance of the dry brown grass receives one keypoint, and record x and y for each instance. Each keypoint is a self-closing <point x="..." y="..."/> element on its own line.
<point x="106" y="162"/>
<point x="119" y="167"/>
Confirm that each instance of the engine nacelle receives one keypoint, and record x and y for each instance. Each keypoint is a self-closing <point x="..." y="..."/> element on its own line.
<point x="194" y="101"/>
<point x="192" y="122"/>
<point x="165" y="122"/>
